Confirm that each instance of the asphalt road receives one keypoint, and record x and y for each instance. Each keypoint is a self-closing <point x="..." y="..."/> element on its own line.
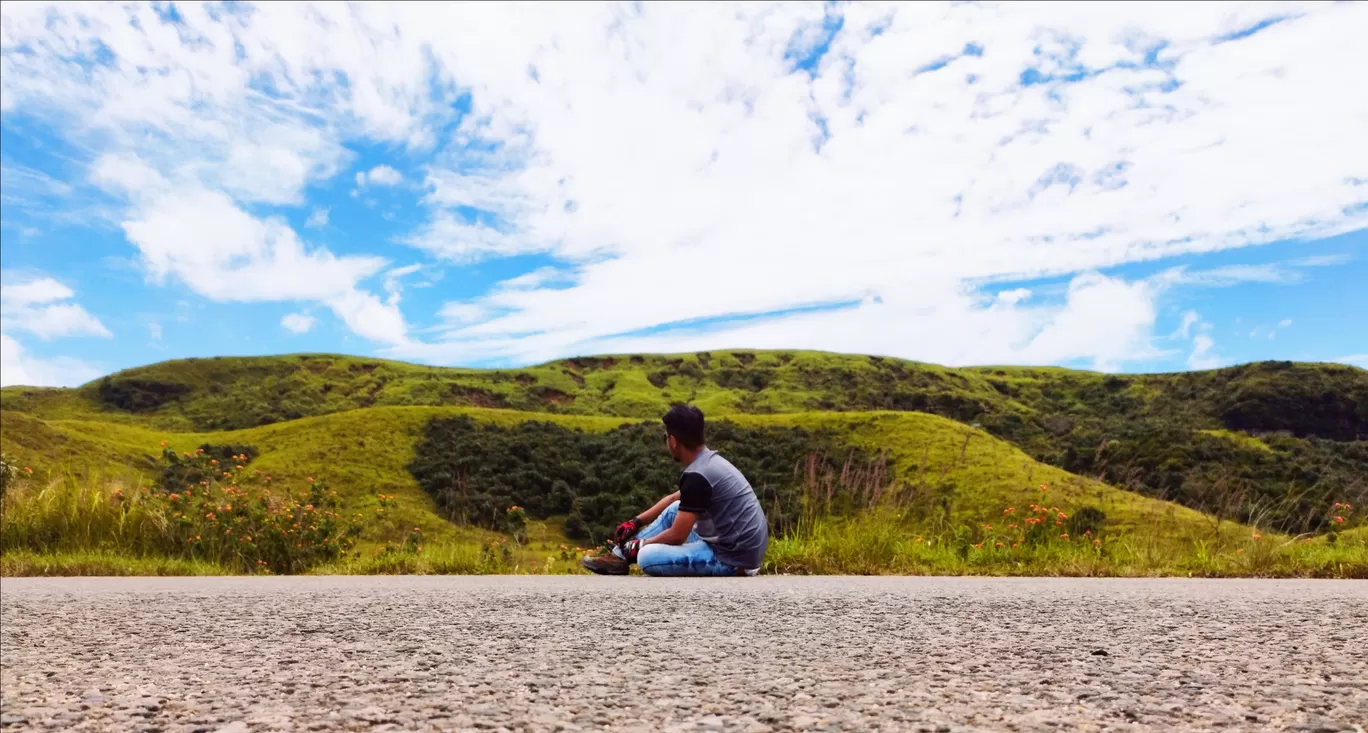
<point x="744" y="654"/>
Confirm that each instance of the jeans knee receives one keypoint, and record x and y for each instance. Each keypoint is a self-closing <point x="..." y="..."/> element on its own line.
<point x="650" y="560"/>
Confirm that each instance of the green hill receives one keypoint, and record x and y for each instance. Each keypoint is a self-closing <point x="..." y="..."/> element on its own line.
<point x="1273" y="443"/>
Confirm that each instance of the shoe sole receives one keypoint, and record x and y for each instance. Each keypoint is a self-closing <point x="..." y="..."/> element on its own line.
<point x="597" y="569"/>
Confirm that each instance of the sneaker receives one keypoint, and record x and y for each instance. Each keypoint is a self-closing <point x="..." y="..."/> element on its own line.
<point x="607" y="564"/>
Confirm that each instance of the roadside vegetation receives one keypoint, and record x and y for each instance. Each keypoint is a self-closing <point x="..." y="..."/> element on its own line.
<point x="1273" y="443"/>
<point x="466" y="490"/>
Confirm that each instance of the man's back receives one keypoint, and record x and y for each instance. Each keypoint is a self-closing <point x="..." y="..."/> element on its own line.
<point x="730" y="518"/>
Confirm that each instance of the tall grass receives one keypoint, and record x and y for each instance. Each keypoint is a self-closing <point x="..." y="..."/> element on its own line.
<point x="231" y="518"/>
<point x="69" y="513"/>
<point x="854" y="521"/>
<point x="852" y="517"/>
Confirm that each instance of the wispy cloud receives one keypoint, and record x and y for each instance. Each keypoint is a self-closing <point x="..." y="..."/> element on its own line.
<point x="19" y="367"/>
<point x="298" y="323"/>
<point x="380" y="175"/>
<point x="40" y="305"/>
<point x="1358" y="360"/>
<point x="696" y="163"/>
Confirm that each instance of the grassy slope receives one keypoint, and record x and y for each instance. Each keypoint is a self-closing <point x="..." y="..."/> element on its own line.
<point x="205" y="394"/>
<point x="1195" y="436"/>
<point x="1330" y="400"/>
<point x="362" y="453"/>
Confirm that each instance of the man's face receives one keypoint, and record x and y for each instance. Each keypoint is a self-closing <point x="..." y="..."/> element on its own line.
<point x="672" y="445"/>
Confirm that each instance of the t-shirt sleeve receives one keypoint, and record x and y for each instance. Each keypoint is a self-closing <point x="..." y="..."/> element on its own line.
<point x="695" y="493"/>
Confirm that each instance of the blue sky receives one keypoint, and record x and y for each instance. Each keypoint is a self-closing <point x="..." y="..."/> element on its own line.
<point x="490" y="186"/>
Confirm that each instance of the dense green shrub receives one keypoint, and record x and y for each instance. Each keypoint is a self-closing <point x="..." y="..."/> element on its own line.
<point x="233" y="516"/>
<point x="139" y="395"/>
<point x="208" y="461"/>
<point x="477" y="471"/>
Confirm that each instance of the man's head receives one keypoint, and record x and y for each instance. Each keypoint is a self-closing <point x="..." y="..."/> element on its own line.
<point x="684" y="432"/>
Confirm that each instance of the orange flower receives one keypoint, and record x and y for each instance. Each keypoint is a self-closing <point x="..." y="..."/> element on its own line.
<point x="310" y="479"/>
<point x="1097" y="543"/>
<point x="1339" y="520"/>
<point x="999" y="544"/>
<point x="163" y="444"/>
<point x="213" y="461"/>
<point x="28" y="470"/>
<point x="1043" y="487"/>
<point x="1257" y="536"/>
<point x="1064" y="536"/>
<point x="1240" y="551"/>
<point x="1062" y="515"/>
<point x="978" y="546"/>
<point x="1009" y="510"/>
<point x="987" y="526"/>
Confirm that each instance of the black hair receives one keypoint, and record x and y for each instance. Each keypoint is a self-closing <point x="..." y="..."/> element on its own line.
<point x="685" y="423"/>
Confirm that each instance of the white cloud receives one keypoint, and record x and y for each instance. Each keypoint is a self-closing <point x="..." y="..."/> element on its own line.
<point x="298" y="322"/>
<point x="154" y="331"/>
<point x="1190" y="319"/>
<point x="36" y="304"/>
<point x="1358" y="360"/>
<point x="237" y="257"/>
<point x="17" y="367"/>
<point x="31" y="291"/>
<point x="317" y="218"/>
<point x="380" y="175"/>
<point x="711" y="154"/>
<point x="1270" y="332"/>
<point x="1202" y="356"/>
<point x="682" y="170"/>
<point x="369" y="317"/>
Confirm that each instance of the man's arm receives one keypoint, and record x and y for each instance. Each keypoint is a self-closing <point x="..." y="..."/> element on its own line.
<point x="677" y="532"/>
<point x="650" y="515"/>
<point x="695" y="496"/>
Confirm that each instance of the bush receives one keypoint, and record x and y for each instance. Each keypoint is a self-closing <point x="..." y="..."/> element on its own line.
<point x="1088" y="519"/>
<point x="233" y="517"/>
<point x="139" y="395"/>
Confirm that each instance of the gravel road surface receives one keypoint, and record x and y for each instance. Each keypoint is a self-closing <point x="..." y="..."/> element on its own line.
<point x="629" y="654"/>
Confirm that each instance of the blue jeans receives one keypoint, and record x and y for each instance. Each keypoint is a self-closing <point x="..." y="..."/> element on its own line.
<point x="694" y="558"/>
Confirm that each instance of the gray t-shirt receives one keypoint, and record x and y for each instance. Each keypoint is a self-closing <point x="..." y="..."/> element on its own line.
<point x="730" y="519"/>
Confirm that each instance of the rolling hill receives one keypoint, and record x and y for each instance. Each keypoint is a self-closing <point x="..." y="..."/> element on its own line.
<point x="1272" y="443"/>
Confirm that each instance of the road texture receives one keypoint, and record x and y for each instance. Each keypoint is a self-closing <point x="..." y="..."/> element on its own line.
<point x="645" y="654"/>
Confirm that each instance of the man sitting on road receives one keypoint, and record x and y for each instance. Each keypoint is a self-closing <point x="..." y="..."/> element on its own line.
<point x="712" y="526"/>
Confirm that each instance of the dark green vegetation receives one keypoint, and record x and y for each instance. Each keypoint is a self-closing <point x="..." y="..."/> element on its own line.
<point x="1273" y="443"/>
<point x="475" y="471"/>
